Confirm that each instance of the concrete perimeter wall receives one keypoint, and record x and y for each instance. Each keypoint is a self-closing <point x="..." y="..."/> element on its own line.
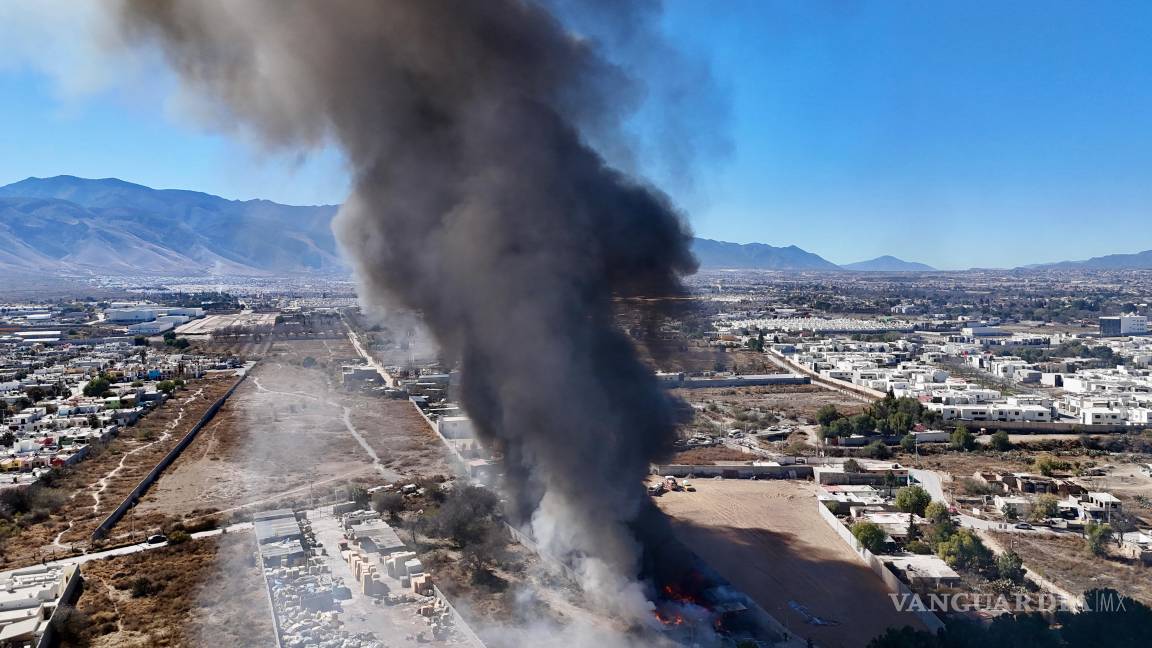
<point x="159" y="468"/>
<point x="894" y="584"/>
<point x="851" y="389"/>
<point x="458" y="621"/>
<point x="795" y="471"/>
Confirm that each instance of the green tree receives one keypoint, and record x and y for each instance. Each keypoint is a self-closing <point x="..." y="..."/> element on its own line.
<point x="1000" y="441"/>
<point x="1046" y="506"/>
<point x="913" y="499"/>
<point x="964" y="550"/>
<point x="98" y="387"/>
<point x="1097" y="537"/>
<point x="900" y="422"/>
<point x="870" y="535"/>
<point x="7" y="439"/>
<point x="390" y="504"/>
<point x="1010" y="566"/>
<point x="936" y="512"/>
<point x="908" y="443"/>
<point x="863" y="424"/>
<point x="826" y="414"/>
<point x="962" y="439"/>
<point x="840" y="427"/>
<point x="852" y="466"/>
<point x="166" y="386"/>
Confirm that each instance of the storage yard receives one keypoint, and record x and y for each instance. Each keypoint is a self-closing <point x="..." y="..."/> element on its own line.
<point x="216" y="323"/>
<point x="769" y="540"/>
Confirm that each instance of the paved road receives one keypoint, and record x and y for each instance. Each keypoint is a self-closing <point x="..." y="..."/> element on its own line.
<point x="932" y="483"/>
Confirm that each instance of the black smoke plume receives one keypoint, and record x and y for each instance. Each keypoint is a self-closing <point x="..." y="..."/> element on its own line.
<point x="478" y="200"/>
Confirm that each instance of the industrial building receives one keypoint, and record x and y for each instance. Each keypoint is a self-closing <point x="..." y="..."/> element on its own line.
<point x="1121" y="325"/>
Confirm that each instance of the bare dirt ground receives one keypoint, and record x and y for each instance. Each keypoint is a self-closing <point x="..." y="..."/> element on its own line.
<point x="202" y="593"/>
<point x="290" y="432"/>
<point x="705" y="456"/>
<point x="796" y="402"/>
<point x="965" y="464"/>
<point x="769" y="540"/>
<point x="1066" y="561"/>
<point x="92" y="488"/>
<point x="685" y="357"/>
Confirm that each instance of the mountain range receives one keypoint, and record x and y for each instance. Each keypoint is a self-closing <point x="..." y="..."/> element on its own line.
<point x="1136" y="261"/>
<point x="75" y="226"/>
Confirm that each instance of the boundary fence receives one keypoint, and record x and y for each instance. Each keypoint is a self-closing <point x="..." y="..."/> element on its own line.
<point x="154" y="474"/>
<point x="930" y="620"/>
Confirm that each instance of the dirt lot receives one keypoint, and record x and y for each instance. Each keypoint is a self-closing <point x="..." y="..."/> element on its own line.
<point x="203" y="593"/>
<point x="794" y="402"/>
<point x="769" y="540"/>
<point x="692" y="359"/>
<point x="1066" y="562"/>
<point x="92" y="488"/>
<point x="290" y="432"/>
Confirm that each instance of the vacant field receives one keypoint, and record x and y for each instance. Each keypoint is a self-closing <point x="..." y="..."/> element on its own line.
<point x="290" y="432"/>
<point x="795" y="402"/>
<point x="704" y="456"/>
<point x="668" y="356"/>
<point x="769" y="540"/>
<point x="88" y="491"/>
<point x="203" y="593"/>
<point x="1066" y="561"/>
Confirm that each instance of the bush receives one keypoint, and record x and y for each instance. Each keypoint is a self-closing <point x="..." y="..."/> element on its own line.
<point x="962" y="439"/>
<point x="390" y="504"/>
<point x="466" y="515"/>
<point x="870" y="535"/>
<point x="1097" y="537"/>
<point x="71" y="626"/>
<point x="877" y="450"/>
<point x="1000" y="441"/>
<point x="1048" y="465"/>
<point x="178" y="537"/>
<point x="142" y="587"/>
<point x="908" y="443"/>
<point x="918" y="547"/>
<point x="1010" y="566"/>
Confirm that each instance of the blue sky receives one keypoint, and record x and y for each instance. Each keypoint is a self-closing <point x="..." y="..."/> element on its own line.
<point x="958" y="134"/>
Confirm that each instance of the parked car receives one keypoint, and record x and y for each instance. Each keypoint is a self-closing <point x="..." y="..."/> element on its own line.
<point x="157" y="539"/>
<point x="1023" y="525"/>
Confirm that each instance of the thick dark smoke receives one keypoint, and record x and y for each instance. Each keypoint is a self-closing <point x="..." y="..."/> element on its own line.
<point x="479" y="201"/>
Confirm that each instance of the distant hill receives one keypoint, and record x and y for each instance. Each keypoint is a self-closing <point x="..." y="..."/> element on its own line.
<point x="1136" y="261"/>
<point x="721" y="254"/>
<point x="69" y="225"/>
<point x="887" y="263"/>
